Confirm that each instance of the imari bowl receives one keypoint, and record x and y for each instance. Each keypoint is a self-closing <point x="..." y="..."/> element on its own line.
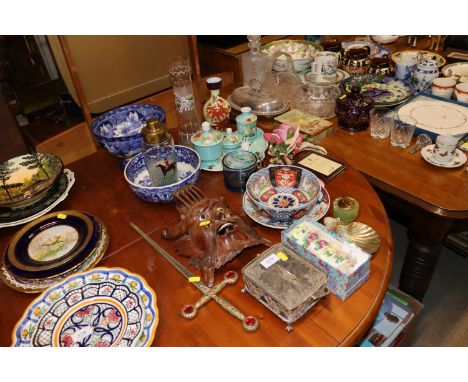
<point x="284" y="192"/>
<point x="119" y="130"/>
<point x="137" y="176"/>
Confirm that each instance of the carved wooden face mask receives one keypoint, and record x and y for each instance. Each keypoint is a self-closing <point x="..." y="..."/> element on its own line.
<point x="208" y="232"/>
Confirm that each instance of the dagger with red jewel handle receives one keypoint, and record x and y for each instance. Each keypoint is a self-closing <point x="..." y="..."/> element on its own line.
<point x="249" y="323"/>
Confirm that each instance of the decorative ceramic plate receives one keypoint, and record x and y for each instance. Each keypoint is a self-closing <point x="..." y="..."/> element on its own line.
<point x="38" y="285"/>
<point x="458" y="69"/>
<point x="25" y="179"/>
<point x="375" y="50"/>
<point x="340" y="76"/>
<point x="317" y="212"/>
<point x="390" y="93"/>
<point x="418" y="56"/>
<point x="99" y="308"/>
<point x="437" y="116"/>
<point x="51" y="242"/>
<point x="458" y="159"/>
<point x="9" y="215"/>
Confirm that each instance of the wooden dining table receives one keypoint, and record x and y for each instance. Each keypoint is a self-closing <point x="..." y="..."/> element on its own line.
<point x="102" y="191"/>
<point x="430" y="198"/>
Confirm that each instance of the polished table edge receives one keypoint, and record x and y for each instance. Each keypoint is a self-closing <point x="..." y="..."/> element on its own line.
<point x="353" y="337"/>
<point x="429" y="207"/>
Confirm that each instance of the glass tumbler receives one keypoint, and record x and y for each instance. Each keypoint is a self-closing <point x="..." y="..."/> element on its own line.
<point x="237" y="167"/>
<point x="180" y="75"/>
<point x="380" y="123"/>
<point x="402" y="131"/>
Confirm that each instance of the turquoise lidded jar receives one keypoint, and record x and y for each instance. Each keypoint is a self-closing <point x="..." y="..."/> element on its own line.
<point x="208" y="143"/>
<point x="246" y="123"/>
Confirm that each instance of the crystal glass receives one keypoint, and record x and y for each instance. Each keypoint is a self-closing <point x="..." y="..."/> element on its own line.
<point x="380" y="123"/>
<point x="180" y="75"/>
<point x="402" y="131"/>
<point x="317" y="99"/>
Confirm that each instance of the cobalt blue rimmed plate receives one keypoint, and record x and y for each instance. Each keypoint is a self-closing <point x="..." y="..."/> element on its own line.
<point x="53" y="241"/>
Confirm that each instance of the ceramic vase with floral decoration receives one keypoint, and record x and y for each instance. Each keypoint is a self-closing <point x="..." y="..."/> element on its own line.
<point x="216" y="109"/>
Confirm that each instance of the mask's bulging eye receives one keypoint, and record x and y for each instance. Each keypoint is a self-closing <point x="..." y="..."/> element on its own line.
<point x="202" y="217"/>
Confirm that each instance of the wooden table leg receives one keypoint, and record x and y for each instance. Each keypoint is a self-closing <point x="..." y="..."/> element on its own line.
<point x="426" y="234"/>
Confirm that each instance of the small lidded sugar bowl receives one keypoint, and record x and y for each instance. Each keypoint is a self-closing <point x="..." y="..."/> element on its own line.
<point x="353" y="110"/>
<point x="208" y="143"/>
<point x="231" y="141"/>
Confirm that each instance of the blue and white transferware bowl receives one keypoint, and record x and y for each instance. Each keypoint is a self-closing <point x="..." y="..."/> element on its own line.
<point x="284" y="192"/>
<point x="100" y="308"/>
<point x="137" y="176"/>
<point x="119" y="130"/>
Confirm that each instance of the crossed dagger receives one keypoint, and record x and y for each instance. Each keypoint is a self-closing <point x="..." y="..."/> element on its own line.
<point x="189" y="311"/>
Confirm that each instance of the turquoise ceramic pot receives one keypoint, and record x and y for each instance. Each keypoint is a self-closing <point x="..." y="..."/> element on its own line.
<point x="208" y="143"/>
<point x="231" y="141"/>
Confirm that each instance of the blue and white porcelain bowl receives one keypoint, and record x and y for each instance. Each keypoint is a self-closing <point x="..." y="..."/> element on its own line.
<point x="137" y="176"/>
<point x="119" y="130"/>
<point x="283" y="192"/>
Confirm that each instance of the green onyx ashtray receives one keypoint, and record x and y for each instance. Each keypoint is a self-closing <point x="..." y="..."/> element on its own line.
<point x="345" y="208"/>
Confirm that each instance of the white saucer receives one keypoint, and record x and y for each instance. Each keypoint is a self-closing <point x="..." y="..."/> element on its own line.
<point x="213" y="166"/>
<point x="340" y="76"/>
<point x="458" y="158"/>
<point x="317" y="212"/>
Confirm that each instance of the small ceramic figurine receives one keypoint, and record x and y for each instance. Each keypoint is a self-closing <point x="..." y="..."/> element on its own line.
<point x="208" y="232"/>
<point x="216" y="110"/>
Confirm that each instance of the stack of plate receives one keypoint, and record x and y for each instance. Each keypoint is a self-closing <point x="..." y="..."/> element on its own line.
<point x="100" y="308"/>
<point x="30" y="186"/>
<point x="385" y="91"/>
<point x="51" y="248"/>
